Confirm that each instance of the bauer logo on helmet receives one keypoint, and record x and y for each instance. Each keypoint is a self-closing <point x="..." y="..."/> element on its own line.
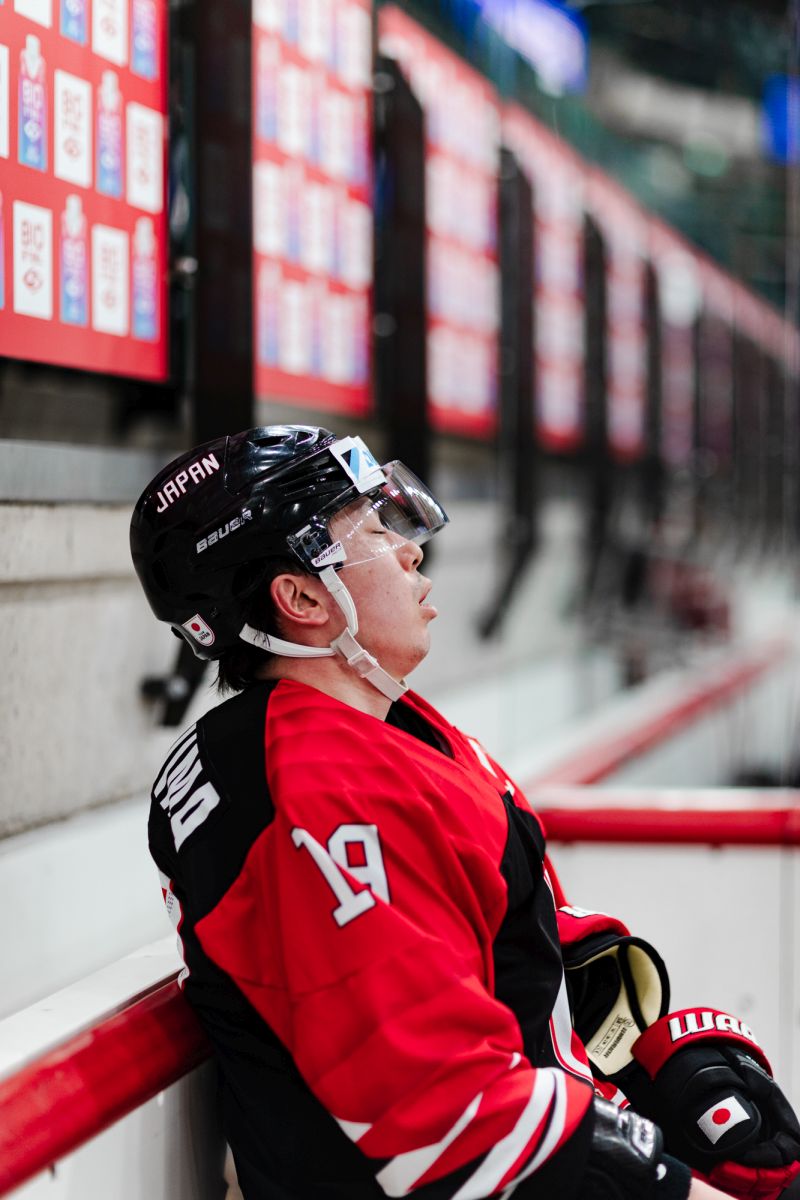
<point x="229" y="527"/>
<point x="334" y="554"/>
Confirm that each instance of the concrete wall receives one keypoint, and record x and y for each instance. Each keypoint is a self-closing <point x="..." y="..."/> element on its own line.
<point x="78" y="639"/>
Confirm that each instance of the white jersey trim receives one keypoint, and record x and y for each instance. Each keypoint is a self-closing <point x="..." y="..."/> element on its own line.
<point x="501" y="1158"/>
<point x="481" y="756"/>
<point x="355" y="1130"/>
<point x="552" y="1137"/>
<point x="400" y="1174"/>
<point x="561" y="1035"/>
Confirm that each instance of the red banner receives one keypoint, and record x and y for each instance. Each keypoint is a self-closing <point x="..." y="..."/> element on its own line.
<point x="312" y="220"/>
<point x="83" y="232"/>
<point x="558" y="179"/>
<point x="461" y="163"/>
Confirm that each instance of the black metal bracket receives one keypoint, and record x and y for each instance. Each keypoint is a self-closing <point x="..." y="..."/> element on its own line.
<point x="175" y="692"/>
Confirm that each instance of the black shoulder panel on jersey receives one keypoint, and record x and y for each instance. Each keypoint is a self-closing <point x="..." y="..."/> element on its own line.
<point x="211" y="800"/>
<point x="231" y="740"/>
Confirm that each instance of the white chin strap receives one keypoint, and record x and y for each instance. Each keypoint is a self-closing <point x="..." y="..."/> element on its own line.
<point x="357" y="658"/>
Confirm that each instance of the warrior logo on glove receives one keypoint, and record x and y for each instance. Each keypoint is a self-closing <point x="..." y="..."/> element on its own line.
<point x="691" y="1021"/>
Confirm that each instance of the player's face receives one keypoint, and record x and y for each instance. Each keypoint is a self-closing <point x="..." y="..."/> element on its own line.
<point x="390" y="594"/>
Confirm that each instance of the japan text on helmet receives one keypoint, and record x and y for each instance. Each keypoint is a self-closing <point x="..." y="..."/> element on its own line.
<point x="204" y="530"/>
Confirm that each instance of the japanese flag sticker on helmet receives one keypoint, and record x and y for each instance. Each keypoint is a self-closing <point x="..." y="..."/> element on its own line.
<point x="197" y="628"/>
<point x="358" y="462"/>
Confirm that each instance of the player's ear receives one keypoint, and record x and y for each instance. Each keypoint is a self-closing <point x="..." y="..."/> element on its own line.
<point x="299" y="598"/>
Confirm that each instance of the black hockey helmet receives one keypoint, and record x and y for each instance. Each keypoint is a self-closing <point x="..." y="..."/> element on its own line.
<point x="203" y="530"/>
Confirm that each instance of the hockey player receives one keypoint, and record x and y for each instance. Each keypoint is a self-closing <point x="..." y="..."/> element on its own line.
<point x="362" y="896"/>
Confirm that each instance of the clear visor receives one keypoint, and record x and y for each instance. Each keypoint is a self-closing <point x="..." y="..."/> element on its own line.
<point x="381" y="521"/>
<point x="403" y="510"/>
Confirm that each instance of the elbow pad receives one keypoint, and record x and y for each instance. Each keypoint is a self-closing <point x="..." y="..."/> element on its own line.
<point x="703" y="1077"/>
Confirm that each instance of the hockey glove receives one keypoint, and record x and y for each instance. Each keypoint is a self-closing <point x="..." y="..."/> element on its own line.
<point x="702" y="1076"/>
<point x="626" y="1160"/>
<point x="617" y="985"/>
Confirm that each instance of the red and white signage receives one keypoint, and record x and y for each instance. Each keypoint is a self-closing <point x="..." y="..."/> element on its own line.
<point x="624" y="230"/>
<point x="83" y="226"/>
<point x="558" y="179"/>
<point x="461" y="161"/>
<point x="312" y="221"/>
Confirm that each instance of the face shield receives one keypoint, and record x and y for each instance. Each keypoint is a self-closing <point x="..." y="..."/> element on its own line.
<point x="386" y="508"/>
<point x="344" y="534"/>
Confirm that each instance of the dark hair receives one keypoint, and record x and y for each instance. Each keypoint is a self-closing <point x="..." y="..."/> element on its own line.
<point x="239" y="667"/>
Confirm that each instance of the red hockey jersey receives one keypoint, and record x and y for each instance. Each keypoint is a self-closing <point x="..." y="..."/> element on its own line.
<point x="370" y="937"/>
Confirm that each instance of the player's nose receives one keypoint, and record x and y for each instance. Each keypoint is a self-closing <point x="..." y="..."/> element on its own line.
<point x="411" y="554"/>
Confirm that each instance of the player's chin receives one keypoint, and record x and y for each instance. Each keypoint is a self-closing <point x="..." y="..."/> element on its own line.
<point x="419" y="651"/>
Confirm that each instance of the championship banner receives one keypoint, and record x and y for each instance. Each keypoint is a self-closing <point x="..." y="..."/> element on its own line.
<point x="83" y="225"/>
<point x="312" y="216"/>
<point x="557" y="176"/>
<point x="624" y="230"/>
<point x="461" y="164"/>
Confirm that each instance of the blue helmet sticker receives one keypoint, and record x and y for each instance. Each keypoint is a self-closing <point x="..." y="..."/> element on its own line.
<point x="358" y="462"/>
